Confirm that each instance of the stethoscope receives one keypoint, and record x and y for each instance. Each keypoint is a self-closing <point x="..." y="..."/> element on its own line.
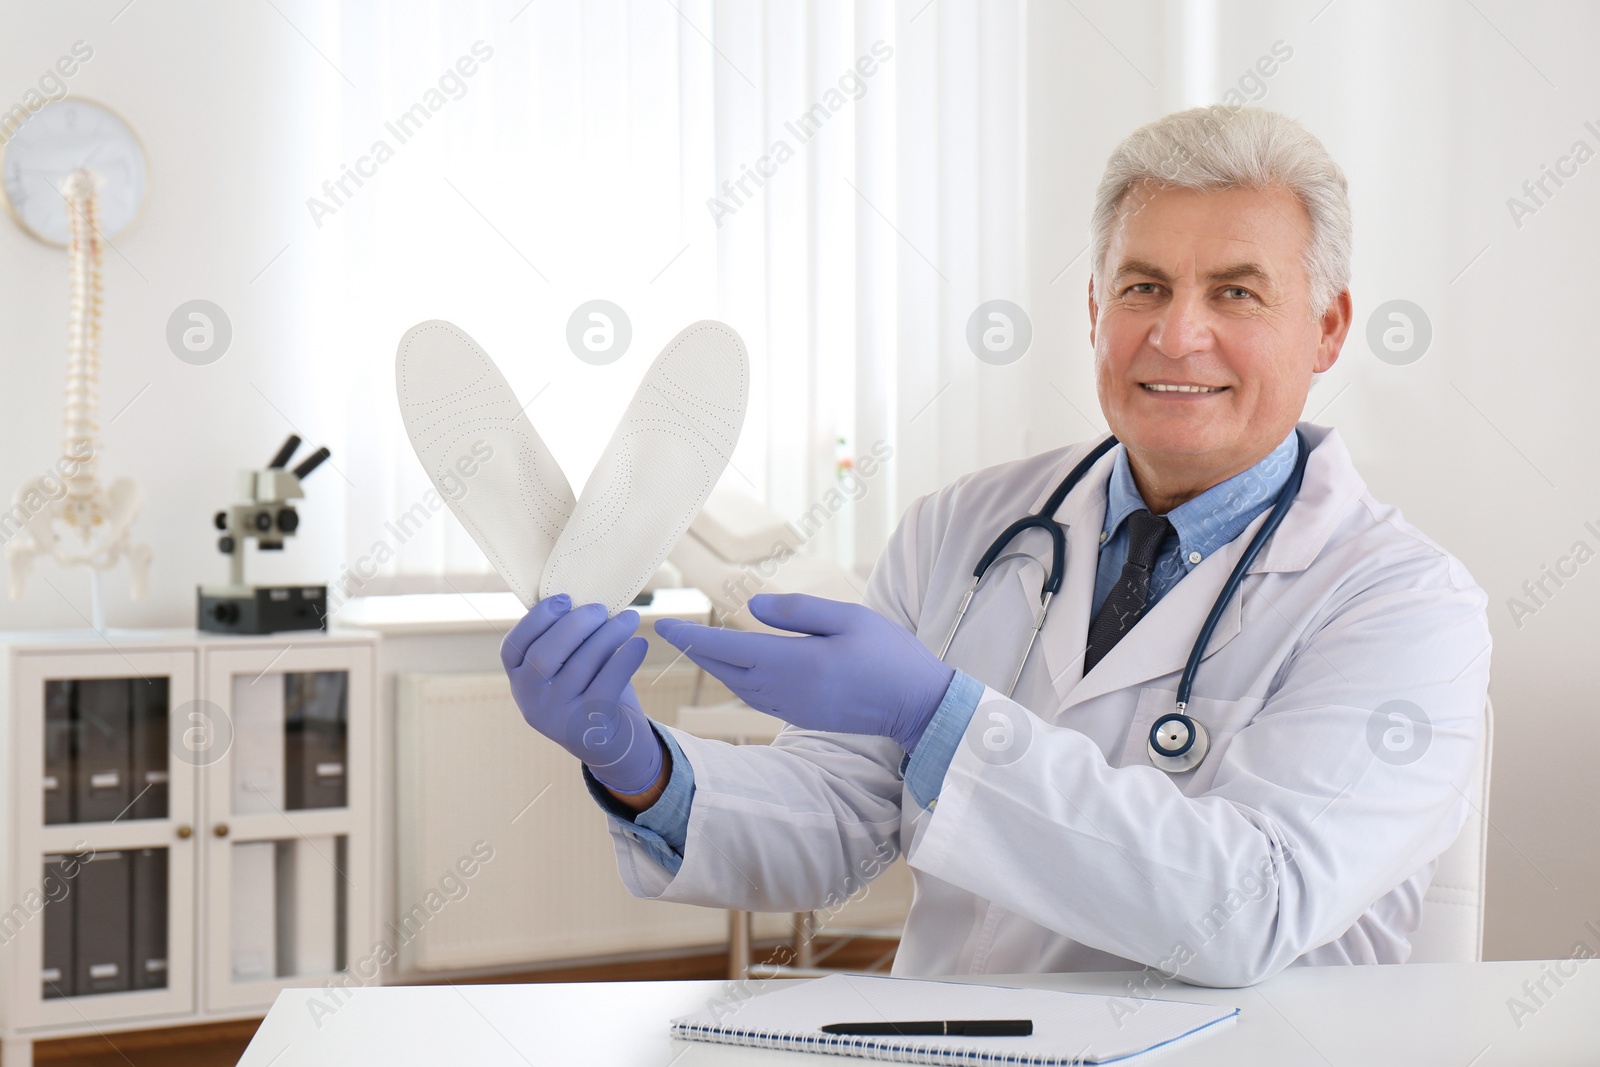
<point x="1177" y="741"/>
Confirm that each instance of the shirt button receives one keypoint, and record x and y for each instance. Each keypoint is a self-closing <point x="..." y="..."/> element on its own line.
<point x="934" y="803"/>
<point x="1194" y="557"/>
<point x="1102" y="537"/>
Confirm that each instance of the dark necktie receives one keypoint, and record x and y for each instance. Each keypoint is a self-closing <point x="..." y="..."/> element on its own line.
<point x="1127" y="599"/>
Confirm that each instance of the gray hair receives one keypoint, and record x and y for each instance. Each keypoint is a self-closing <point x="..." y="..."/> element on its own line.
<point x="1222" y="147"/>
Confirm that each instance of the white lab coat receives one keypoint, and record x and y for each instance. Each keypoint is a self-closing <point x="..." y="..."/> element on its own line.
<point x="1291" y="843"/>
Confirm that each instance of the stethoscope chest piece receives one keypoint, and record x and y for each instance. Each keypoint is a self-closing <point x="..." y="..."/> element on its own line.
<point x="1177" y="743"/>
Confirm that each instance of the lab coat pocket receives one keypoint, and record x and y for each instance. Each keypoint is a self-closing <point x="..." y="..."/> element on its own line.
<point x="1221" y="718"/>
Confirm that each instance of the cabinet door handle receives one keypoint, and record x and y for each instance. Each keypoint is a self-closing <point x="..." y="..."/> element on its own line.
<point x="221" y="829"/>
<point x="185" y="831"/>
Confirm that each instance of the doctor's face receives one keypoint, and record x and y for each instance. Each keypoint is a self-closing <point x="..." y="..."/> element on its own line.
<point x="1206" y="289"/>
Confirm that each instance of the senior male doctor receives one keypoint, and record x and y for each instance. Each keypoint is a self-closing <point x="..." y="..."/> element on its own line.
<point x="1041" y="834"/>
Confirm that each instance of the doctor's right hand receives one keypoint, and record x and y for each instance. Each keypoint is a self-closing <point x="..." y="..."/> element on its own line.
<point x="570" y="671"/>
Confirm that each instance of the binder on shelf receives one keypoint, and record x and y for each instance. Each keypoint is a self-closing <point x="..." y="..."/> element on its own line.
<point x="253" y="919"/>
<point x="341" y="903"/>
<point x="308" y="899"/>
<point x="149" y="919"/>
<point x="56" y="966"/>
<point x="103" y="763"/>
<point x="258" y="732"/>
<point x="58" y="781"/>
<point x="315" y="705"/>
<point x="100" y="918"/>
<point x="148" y="733"/>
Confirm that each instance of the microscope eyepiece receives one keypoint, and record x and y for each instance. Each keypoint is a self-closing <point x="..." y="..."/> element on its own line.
<point x="311" y="462"/>
<point x="284" y="453"/>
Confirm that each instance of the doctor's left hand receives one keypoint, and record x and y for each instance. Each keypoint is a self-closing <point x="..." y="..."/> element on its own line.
<point x="855" y="672"/>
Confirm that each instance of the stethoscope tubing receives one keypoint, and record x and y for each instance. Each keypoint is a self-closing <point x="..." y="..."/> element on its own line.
<point x="1280" y="508"/>
<point x="1043" y="519"/>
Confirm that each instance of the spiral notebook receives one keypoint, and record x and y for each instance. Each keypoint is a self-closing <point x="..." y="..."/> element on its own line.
<point x="1068" y="1028"/>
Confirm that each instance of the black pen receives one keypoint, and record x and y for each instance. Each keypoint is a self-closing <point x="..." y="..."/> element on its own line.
<point x="936" y="1027"/>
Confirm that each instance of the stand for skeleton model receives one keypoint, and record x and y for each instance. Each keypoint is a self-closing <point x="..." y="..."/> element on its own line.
<point x="97" y="602"/>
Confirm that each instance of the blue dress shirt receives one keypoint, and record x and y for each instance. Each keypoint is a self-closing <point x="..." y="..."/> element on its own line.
<point x="1201" y="526"/>
<point x="663" y="827"/>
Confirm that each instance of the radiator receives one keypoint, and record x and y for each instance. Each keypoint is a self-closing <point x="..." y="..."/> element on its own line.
<point x="469" y="770"/>
<point x="473" y="777"/>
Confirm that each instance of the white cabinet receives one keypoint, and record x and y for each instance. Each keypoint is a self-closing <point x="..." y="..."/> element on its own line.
<point x="187" y="825"/>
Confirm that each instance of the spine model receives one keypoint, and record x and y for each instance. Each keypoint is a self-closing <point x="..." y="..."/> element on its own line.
<point x="67" y="513"/>
<point x="82" y="416"/>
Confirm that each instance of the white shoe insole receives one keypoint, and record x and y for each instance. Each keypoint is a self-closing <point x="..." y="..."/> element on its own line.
<point x="663" y="460"/>
<point x="454" y="402"/>
<point x="661" y="464"/>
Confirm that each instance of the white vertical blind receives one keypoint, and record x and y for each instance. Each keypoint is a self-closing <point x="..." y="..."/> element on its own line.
<point x="838" y="181"/>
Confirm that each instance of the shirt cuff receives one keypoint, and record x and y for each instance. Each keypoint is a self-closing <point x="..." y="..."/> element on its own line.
<point x="925" y="768"/>
<point x="663" y="827"/>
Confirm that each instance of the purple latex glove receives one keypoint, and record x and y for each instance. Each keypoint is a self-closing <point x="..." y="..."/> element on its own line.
<point x="858" y="672"/>
<point x="570" y="669"/>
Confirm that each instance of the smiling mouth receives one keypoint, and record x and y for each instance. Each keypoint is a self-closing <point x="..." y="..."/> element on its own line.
<point x="1155" y="387"/>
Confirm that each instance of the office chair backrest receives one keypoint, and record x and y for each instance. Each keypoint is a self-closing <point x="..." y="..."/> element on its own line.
<point x="1452" y="910"/>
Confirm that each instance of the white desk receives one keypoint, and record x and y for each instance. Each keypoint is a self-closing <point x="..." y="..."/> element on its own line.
<point x="1447" y="1014"/>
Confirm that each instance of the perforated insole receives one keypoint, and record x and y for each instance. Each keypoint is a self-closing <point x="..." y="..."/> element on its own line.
<point x="481" y="452"/>
<point x="664" y="458"/>
<point x="493" y="470"/>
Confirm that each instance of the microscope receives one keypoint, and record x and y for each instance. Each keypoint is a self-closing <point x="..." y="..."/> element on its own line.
<point x="267" y="516"/>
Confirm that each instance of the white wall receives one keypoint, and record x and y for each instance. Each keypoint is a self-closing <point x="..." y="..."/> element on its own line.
<point x="1436" y="119"/>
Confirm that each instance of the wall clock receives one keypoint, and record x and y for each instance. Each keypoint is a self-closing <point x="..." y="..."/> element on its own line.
<point x="56" y="140"/>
